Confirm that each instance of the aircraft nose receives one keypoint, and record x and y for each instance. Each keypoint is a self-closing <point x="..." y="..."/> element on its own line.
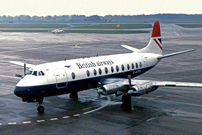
<point x="17" y="91"/>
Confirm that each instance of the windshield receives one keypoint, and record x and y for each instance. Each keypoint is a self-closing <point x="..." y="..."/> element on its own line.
<point x="29" y="72"/>
<point x="35" y="73"/>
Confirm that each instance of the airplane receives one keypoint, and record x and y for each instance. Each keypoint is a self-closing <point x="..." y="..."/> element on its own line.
<point x="72" y="76"/>
<point x="58" y="31"/>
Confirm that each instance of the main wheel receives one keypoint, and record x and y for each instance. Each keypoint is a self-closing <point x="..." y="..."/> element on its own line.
<point x="126" y="102"/>
<point x="73" y="95"/>
<point x="40" y="109"/>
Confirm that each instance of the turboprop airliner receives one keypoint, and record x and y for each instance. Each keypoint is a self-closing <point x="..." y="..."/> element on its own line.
<point x="72" y="76"/>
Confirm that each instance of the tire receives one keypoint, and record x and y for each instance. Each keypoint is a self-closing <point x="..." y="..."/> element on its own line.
<point x="40" y="109"/>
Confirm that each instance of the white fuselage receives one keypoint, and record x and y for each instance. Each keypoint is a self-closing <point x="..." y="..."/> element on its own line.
<point x="64" y="75"/>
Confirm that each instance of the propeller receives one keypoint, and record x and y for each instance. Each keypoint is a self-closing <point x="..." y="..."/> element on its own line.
<point x="21" y="76"/>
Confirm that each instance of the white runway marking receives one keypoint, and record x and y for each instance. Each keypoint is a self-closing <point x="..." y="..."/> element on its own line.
<point x="12" y="123"/>
<point x="106" y="104"/>
<point x="65" y="117"/>
<point x="53" y="119"/>
<point x="40" y="121"/>
<point x="26" y="122"/>
<point x="151" y="119"/>
<point x="76" y="115"/>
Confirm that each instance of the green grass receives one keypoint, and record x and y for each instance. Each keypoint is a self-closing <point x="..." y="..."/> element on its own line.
<point x="13" y="25"/>
<point x="112" y="26"/>
<point x="106" y="31"/>
<point x="85" y="31"/>
<point x="23" y="30"/>
<point x="76" y="28"/>
<point x="190" y="25"/>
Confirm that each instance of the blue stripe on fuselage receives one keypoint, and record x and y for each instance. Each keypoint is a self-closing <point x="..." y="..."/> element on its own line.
<point x="73" y="86"/>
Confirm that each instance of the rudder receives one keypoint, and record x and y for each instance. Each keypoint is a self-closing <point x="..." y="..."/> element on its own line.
<point x="155" y="43"/>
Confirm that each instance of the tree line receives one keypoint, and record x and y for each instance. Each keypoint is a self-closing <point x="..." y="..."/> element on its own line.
<point x="106" y="18"/>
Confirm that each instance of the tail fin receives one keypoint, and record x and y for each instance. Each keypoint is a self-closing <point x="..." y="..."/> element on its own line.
<point x="155" y="43"/>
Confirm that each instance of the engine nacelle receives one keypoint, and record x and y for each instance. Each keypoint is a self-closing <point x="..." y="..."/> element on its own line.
<point x="142" y="89"/>
<point x="111" y="88"/>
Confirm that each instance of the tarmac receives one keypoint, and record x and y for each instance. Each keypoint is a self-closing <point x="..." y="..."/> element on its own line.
<point x="164" y="111"/>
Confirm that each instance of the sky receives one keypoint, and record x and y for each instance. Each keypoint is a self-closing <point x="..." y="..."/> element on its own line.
<point x="98" y="7"/>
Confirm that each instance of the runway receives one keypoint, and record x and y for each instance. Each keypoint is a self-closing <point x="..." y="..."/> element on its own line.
<point x="164" y="111"/>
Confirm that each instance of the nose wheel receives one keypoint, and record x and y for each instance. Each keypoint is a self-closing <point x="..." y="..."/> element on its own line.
<point x="40" y="109"/>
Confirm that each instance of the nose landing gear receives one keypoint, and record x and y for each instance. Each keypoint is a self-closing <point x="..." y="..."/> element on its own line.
<point x="40" y="108"/>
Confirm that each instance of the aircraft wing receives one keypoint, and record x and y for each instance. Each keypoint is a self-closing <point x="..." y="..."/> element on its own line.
<point x="176" y="84"/>
<point x="22" y="64"/>
<point x="140" y="87"/>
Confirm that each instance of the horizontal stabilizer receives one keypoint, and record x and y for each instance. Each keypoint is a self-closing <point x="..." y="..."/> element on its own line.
<point x="173" y="54"/>
<point x="130" y="48"/>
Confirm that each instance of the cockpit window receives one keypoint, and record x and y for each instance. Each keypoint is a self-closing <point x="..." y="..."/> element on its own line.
<point x="29" y="72"/>
<point x="35" y="73"/>
<point x="42" y="73"/>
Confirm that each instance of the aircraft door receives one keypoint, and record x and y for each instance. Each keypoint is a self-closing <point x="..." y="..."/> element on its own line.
<point x="61" y="78"/>
<point x="144" y="62"/>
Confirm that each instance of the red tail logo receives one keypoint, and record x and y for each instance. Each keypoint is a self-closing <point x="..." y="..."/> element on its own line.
<point x="156" y="30"/>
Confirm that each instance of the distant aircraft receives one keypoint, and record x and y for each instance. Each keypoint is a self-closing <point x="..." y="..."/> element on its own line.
<point x="58" y="31"/>
<point x="72" y="76"/>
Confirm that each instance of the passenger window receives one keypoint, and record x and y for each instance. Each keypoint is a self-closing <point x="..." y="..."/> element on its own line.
<point x="106" y="70"/>
<point x="140" y="64"/>
<point x="88" y="73"/>
<point x="112" y="69"/>
<point x="132" y="66"/>
<point x="35" y="73"/>
<point x="100" y="71"/>
<point x="122" y="66"/>
<point x="95" y="72"/>
<point x="73" y="75"/>
<point x="128" y="66"/>
<point x="136" y="65"/>
<point x="117" y="68"/>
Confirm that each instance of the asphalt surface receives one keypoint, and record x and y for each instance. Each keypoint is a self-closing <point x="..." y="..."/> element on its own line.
<point x="164" y="111"/>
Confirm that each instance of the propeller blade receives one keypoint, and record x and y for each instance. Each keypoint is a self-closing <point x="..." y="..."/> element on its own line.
<point x="129" y="81"/>
<point x="18" y="75"/>
<point x="24" y="68"/>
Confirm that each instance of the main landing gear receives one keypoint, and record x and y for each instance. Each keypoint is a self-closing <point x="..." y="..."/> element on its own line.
<point x="74" y="95"/>
<point x="127" y="99"/>
<point x="127" y="102"/>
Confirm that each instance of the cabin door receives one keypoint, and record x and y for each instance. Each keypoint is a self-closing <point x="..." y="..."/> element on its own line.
<point x="144" y="64"/>
<point x="61" y="78"/>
